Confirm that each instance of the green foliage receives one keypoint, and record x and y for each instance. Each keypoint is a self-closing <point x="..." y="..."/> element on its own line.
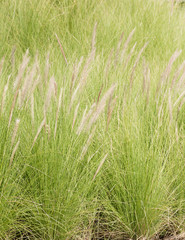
<point x="91" y="148"/>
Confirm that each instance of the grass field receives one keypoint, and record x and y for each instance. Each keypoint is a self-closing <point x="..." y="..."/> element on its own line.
<point x="92" y="119"/>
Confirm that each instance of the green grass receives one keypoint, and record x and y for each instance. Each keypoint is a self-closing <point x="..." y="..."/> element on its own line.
<point x="92" y="148"/>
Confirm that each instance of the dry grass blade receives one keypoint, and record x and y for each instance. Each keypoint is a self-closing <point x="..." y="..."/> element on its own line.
<point x="75" y="115"/>
<point x="181" y="104"/>
<point x="35" y="83"/>
<point x="75" y="74"/>
<point x="93" y="44"/>
<point x="118" y="49"/>
<point x="58" y="110"/>
<point x="13" y="57"/>
<point x="160" y="112"/>
<point x="28" y="82"/>
<point x="61" y="48"/>
<point x="98" y="99"/>
<point x="177" y="73"/>
<point x="21" y="70"/>
<point x="82" y="121"/>
<point x="17" y="83"/>
<point x="73" y="79"/>
<point x="13" y="106"/>
<point x="50" y="92"/>
<point x="107" y="68"/>
<point x="4" y="95"/>
<point x="130" y="55"/>
<point x="170" y="106"/>
<point x="144" y="75"/>
<point x="46" y="71"/>
<point x="101" y="106"/>
<point x="168" y="68"/>
<point x="83" y="78"/>
<point x="1" y="64"/>
<point x="13" y="153"/>
<point x="86" y="68"/>
<point x="136" y="63"/>
<point x="85" y="118"/>
<point x="38" y="132"/>
<point x="179" y="98"/>
<point x="86" y="146"/>
<point x="167" y="71"/>
<point x="146" y="80"/>
<point x="85" y="71"/>
<point x="73" y="97"/>
<point x="99" y="167"/>
<point x="15" y="131"/>
<point x="32" y="89"/>
<point x="55" y="90"/>
<point x="111" y="106"/>
<point x="47" y="130"/>
<point x="180" y="83"/>
<point x="19" y="99"/>
<point x="90" y="58"/>
<point x="32" y="108"/>
<point x="126" y="44"/>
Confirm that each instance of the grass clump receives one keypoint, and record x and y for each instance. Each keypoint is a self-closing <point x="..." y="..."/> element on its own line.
<point x="92" y="146"/>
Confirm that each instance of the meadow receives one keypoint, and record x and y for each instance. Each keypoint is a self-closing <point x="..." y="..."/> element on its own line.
<point x="92" y="119"/>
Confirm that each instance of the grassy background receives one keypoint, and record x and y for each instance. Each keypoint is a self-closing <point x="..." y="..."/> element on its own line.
<point x="97" y="151"/>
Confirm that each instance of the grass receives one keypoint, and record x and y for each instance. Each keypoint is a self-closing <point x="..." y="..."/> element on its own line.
<point x="92" y="120"/>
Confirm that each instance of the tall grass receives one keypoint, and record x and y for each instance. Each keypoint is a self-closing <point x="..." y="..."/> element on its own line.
<point x="92" y="146"/>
